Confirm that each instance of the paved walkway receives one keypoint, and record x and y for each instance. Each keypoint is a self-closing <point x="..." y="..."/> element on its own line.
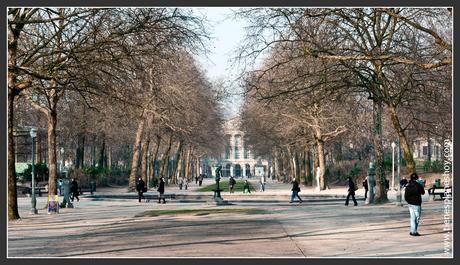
<point x="110" y="228"/>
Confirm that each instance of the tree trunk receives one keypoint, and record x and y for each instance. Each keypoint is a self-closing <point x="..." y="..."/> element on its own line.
<point x="180" y="164"/>
<point x="322" y="162"/>
<point x="80" y="161"/>
<point x="155" y="158"/>
<point x="13" y="36"/>
<point x="13" y="212"/>
<point x="308" y="164"/>
<point x="176" y="160"/>
<point x="38" y="156"/>
<point x="315" y="168"/>
<point x="135" y="159"/>
<point x="52" y="122"/>
<point x="187" y="163"/>
<point x="109" y="158"/>
<point x="410" y="163"/>
<point x="93" y="152"/>
<point x="197" y="166"/>
<point x="380" y="191"/>
<point x="101" y="158"/>
<point x="145" y="150"/>
<point x="165" y="163"/>
<point x="303" y="168"/>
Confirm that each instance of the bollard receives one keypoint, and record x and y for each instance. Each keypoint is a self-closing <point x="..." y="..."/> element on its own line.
<point x="371" y="183"/>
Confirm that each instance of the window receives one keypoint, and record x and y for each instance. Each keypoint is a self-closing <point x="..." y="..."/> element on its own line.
<point x="237" y="140"/>
<point x="425" y="150"/>
<point x="227" y="147"/>
<point x="227" y="152"/>
<point x="246" y="152"/>
<point x="237" y="152"/>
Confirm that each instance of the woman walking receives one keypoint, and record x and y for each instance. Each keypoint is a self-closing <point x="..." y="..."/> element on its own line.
<point x="161" y="190"/>
<point x="74" y="190"/>
<point x="295" y="190"/>
<point x="351" y="191"/>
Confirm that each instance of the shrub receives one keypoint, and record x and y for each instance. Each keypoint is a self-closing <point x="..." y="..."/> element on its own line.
<point x="41" y="172"/>
<point x="354" y="171"/>
<point x="437" y="166"/>
<point x="426" y="166"/>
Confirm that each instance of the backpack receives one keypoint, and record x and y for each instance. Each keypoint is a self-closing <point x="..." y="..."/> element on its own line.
<point x="411" y="191"/>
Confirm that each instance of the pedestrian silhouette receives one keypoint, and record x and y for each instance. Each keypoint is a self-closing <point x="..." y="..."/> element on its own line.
<point x="161" y="190"/>
<point x="246" y="188"/>
<point x="366" y="187"/>
<point x="74" y="190"/>
<point x="295" y="190"/>
<point x="413" y="196"/>
<point x="351" y="192"/>
<point x="141" y="188"/>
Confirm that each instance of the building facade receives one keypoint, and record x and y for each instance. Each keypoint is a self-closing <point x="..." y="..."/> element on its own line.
<point x="237" y="160"/>
<point x="424" y="147"/>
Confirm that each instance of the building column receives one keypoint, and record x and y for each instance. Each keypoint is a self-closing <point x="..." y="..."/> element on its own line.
<point x="243" y="168"/>
<point x="231" y="170"/>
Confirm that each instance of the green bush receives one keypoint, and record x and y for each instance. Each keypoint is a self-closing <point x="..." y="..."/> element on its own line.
<point x="437" y="166"/>
<point x="41" y="172"/>
<point x="354" y="171"/>
<point x="426" y="166"/>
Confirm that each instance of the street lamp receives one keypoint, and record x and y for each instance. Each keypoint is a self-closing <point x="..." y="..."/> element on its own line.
<point x="393" y="145"/>
<point x="398" y="196"/>
<point x="33" y="134"/>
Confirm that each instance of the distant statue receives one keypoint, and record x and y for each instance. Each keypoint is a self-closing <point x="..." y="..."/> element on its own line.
<point x="218" y="173"/>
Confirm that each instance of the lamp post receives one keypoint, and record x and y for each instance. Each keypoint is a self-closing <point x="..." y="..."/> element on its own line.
<point x="33" y="134"/>
<point x="398" y="195"/>
<point x="393" y="145"/>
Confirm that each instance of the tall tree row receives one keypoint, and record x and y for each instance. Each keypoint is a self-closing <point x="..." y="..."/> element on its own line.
<point x="384" y="54"/>
<point x="109" y="77"/>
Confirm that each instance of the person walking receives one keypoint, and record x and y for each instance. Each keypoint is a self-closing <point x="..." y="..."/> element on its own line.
<point x="181" y="183"/>
<point x="351" y="192"/>
<point x="161" y="190"/>
<point x="231" y="184"/>
<point x="403" y="183"/>
<point x="74" y="190"/>
<point x="246" y="188"/>
<point x="413" y="196"/>
<point x="262" y="184"/>
<point x="141" y="188"/>
<point x="200" y="180"/>
<point x="295" y="190"/>
<point x="366" y="188"/>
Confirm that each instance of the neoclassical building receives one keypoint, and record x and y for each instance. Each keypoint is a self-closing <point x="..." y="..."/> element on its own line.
<point x="237" y="159"/>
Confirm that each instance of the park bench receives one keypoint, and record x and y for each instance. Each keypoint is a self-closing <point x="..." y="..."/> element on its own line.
<point x="38" y="190"/>
<point x="91" y="188"/>
<point x="439" y="191"/>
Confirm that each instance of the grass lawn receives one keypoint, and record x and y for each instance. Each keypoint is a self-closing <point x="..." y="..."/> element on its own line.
<point x="200" y="212"/>
<point x="223" y="184"/>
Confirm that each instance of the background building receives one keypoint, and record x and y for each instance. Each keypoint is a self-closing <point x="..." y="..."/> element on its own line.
<point x="237" y="159"/>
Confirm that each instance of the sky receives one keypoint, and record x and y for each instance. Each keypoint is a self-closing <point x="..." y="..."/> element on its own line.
<point x="226" y="35"/>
